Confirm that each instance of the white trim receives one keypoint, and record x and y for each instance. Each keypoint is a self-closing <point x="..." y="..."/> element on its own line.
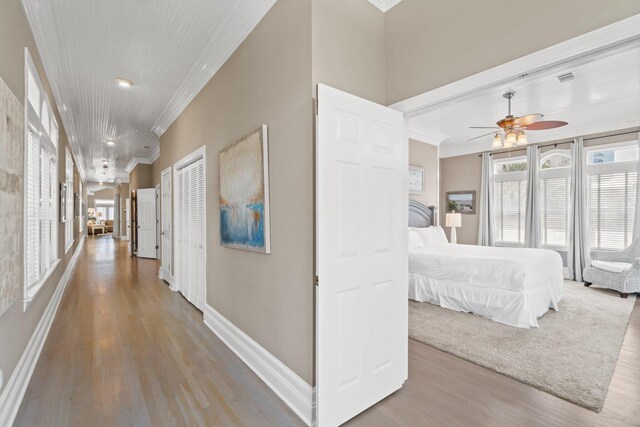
<point x="192" y="157"/>
<point x="33" y="290"/>
<point x="593" y="42"/>
<point x="384" y="5"/>
<point x="155" y="154"/>
<point x="14" y="391"/>
<point x="292" y="389"/>
<point x="135" y="161"/>
<point x="425" y="135"/>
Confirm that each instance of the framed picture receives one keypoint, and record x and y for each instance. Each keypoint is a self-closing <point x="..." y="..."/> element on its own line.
<point x="416" y="180"/>
<point x="63" y="202"/>
<point x="463" y="202"/>
<point x="244" y="193"/>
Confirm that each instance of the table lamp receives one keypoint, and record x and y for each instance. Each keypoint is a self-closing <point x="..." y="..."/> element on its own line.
<point x="453" y="220"/>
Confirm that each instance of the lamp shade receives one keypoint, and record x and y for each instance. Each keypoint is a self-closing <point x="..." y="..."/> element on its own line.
<point x="453" y="219"/>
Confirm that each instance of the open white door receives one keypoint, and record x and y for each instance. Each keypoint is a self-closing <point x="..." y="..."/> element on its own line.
<point x="146" y="207"/>
<point x="165" y="228"/>
<point x="361" y="190"/>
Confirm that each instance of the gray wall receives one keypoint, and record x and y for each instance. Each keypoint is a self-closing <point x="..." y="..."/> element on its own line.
<point x="16" y="325"/>
<point x="430" y="43"/>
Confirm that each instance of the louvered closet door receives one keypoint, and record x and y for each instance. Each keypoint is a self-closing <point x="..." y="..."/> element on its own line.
<point x="190" y="263"/>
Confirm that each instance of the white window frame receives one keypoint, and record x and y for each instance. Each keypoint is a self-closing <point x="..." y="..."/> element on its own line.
<point x="629" y="166"/>
<point x="562" y="172"/>
<point x="34" y="125"/>
<point x="508" y="177"/>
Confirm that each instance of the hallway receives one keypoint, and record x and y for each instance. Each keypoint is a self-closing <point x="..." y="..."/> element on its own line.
<point x="125" y="350"/>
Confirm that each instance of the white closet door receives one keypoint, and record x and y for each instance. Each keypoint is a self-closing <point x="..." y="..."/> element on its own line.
<point x="165" y="229"/>
<point x="190" y="240"/>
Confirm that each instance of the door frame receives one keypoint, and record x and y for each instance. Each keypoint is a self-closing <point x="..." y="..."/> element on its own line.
<point x="194" y="156"/>
<point x="164" y="273"/>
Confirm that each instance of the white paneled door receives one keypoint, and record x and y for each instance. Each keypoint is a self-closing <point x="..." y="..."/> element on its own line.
<point x="361" y="237"/>
<point x="146" y="208"/>
<point x="165" y="226"/>
<point x="190" y="232"/>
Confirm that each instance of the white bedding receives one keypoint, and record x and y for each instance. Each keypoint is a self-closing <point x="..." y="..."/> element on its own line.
<point x="514" y="269"/>
<point x="513" y="286"/>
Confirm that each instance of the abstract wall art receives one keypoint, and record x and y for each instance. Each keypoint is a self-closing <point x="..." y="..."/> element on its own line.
<point x="244" y="193"/>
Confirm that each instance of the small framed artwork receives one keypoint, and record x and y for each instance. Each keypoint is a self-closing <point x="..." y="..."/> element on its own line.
<point x="416" y="180"/>
<point x="63" y="202"/>
<point x="463" y="202"/>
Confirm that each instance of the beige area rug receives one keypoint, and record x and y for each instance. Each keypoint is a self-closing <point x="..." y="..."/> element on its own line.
<point x="571" y="355"/>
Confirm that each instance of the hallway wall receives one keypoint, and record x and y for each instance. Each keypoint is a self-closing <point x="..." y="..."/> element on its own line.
<point x="266" y="80"/>
<point x="16" y="325"/>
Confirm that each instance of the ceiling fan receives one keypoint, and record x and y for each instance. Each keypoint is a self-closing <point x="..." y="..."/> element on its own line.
<point x="513" y="127"/>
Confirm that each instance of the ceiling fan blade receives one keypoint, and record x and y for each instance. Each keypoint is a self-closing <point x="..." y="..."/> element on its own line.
<point x="546" y="124"/>
<point x="484" y="127"/>
<point x="486" y="134"/>
<point x="528" y="119"/>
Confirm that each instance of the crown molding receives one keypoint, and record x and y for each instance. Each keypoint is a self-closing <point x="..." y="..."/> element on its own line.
<point x="135" y="162"/>
<point x="155" y="154"/>
<point x="384" y="5"/>
<point x="425" y="135"/>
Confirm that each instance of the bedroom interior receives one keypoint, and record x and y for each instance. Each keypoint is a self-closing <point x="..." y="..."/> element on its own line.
<point x="319" y="212"/>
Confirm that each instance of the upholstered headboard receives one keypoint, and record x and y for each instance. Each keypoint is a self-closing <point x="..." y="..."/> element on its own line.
<point x="421" y="215"/>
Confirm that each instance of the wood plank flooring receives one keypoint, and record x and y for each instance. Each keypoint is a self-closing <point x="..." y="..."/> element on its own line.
<point x="124" y="350"/>
<point x="444" y="390"/>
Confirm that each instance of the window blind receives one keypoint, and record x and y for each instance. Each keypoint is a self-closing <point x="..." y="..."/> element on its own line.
<point x="510" y="204"/>
<point x="611" y="199"/>
<point x="554" y="211"/>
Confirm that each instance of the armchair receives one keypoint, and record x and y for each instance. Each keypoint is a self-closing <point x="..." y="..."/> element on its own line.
<point x="618" y="270"/>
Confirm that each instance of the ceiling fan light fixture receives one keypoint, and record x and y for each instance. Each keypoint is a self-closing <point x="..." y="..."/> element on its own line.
<point x="511" y="138"/>
<point x="522" y="139"/>
<point x="497" y="141"/>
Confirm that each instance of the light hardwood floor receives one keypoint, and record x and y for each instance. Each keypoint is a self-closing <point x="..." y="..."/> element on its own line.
<point x="124" y="350"/>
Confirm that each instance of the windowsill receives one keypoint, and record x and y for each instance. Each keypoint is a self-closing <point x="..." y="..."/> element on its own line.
<point x="69" y="246"/>
<point x="509" y="245"/>
<point x="33" y="290"/>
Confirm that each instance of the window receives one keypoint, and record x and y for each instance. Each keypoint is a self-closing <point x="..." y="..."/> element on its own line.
<point x="40" y="217"/>
<point x="510" y="199"/>
<point x="104" y="213"/>
<point x="611" y="194"/>
<point x="68" y="225"/>
<point x="555" y="195"/>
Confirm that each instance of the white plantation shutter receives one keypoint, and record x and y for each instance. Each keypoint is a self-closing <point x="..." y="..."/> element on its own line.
<point x="68" y="225"/>
<point x="611" y="199"/>
<point x="40" y="184"/>
<point x="32" y="211"/>
<point x="44" y="204"/>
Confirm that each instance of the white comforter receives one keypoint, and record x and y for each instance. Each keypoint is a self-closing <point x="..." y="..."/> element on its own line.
<point x="515" y="269"/>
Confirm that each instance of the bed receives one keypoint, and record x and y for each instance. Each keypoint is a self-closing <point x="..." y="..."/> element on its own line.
<point x="514" y="286"/>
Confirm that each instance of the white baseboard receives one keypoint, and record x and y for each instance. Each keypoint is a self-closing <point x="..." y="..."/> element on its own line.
<point x="167" y="277"/>
<point x="14" y="391"/>
<point x="292" y="389"/>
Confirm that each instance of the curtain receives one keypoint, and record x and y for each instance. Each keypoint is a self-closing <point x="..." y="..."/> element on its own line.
<point x="578" y="229"/>
<point x="636" y="219"/>
<point x="532" y="211"/>
<point x="485" y="208"/>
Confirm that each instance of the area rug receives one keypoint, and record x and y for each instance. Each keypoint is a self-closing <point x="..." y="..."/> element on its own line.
<point x="571" y="355"/>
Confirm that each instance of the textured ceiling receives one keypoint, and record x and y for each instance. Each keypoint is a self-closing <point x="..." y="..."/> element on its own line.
<point x="169" y="49"/>
<point x="603" y="97"/>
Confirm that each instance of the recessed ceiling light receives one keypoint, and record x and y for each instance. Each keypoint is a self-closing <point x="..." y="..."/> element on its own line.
<point x="111" y="142"/>
<point x="124" y="82"/>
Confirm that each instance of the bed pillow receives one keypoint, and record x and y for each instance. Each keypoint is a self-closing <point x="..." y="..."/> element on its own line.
<point x="431" y="236"/>
<point x="439" y="235"/>
<point x="414" y="240"/>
